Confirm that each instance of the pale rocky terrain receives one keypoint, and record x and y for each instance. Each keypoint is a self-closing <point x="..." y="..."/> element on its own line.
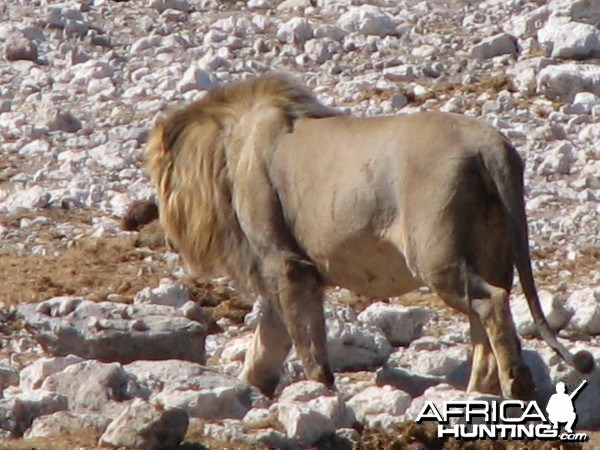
<point x="85" y="306"/>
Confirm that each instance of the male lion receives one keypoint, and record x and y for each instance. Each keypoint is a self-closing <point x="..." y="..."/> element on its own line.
<point x="262" y="181"/>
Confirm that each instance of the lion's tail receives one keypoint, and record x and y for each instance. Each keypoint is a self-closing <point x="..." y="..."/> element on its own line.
<point x="505" y="167"/>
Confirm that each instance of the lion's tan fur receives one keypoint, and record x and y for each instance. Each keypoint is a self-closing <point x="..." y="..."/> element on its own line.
<point x="262" y="182"/>
<point x="193" y="155"/>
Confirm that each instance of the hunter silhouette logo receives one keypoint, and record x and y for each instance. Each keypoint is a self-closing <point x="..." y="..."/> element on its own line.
<point x="560" y="406"/>
<point x="508" y="419"/>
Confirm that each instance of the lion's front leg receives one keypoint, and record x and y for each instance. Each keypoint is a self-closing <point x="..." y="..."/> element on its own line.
<point x="301" y="297"/>
<point x="270" y="346"/>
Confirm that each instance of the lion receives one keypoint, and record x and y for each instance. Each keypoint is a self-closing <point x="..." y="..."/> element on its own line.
<point x="261" y="181"/>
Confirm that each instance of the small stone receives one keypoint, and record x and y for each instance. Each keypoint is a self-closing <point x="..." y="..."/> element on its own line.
<point x="570" y="40"/>
<point x="146" y="426"/>
<point x="32" y="376"/>
<point x="586" y="304"/>
<point x="557" y="314"/>
<point x="163" y="5"/>
<point x="352" y="345"/>
<point x="303" y="423"/>
<point x="500" y="44"/>
<point x="18" y="47"/>
<point x="400" y="324"/>
<point x="295" y="31"/>
<point x="367" y="20"/>
<point x="195" y="78"/>
<point x="380" y="405"/>
<point x="30" y="198"/>
<point x="564" y="81"/>
<point x="168" y="293"/>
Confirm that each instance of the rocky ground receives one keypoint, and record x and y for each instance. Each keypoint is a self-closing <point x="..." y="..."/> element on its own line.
<point x="84" y="304"/>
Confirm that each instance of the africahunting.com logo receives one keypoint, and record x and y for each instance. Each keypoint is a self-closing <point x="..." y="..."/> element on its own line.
<point x="510" y="419"/>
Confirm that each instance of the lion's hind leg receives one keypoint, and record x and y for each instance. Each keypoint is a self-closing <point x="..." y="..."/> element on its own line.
<point x="488" y="308"/>
<point x="491" y="305"/>
<point x="484" y="368"/>
<point x="269" y="348"/>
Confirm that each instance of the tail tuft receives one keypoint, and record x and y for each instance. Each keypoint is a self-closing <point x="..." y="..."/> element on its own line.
<point x="584" y="362"/>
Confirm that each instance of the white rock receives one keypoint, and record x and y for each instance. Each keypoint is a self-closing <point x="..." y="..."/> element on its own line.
<point x="318" y="397"/>
<point x="332" y="32"/>
<point x="367" y="20"/>
<point x="115" y="332"/>
<point x="303" y="423"/>
<point x="566" y="80"/>
<point x="318" y="50"/>
<point x="36" y="148"/>
<point x="90" y="70"/>
<point x="178" y="5"/>
<point x="63" y="422"/>
<point x="173" y="373"/>
<point x="438" y="362"/>
<point x="32" y="376"/>
<point x="570" y="40"/>
<point x="226" y="430"/>
<point x="30" y="198"/>
<point x="148" y="42"/>
<point x="89" y="386"/>
<point x="557" y="159"/>
<point x="295" y="31"/>
<point x="195" y="78"/>
<point x="146" y="426"/>
<point x="259" y="4"/>
<point x="586" y="101"/>
<point x="399" y="73"/>
<point x="380" y="405"/>
<point x="215" y="403"/>
<point x="587" y="11"/>
<point x="528" y="24"/>
<point x="557" y="313"/>
<point x="586" y="304"/>
<point x="168" y="293"/>
<point x="400" y="324"/>
<point x="500" y="44"/>
<point x="18" y="412"/>
<point x="352" y="345"/>
<point x="293" y="4"/>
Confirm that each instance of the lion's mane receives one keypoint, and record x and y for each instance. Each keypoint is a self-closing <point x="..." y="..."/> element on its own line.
<point x="193" y="155"/>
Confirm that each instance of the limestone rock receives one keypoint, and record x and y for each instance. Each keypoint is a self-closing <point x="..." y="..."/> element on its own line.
<point x="353" y="345"/>
<point x="380" y="405"/>
<point x="556" y="312"/>
<point x="400" y="324"/>
<point x="367" y="20"/>
<point x="586" y="306"/>
<point x="564" y="81"/>
<point x="570" y="40"/>
<point x="500" y="44"/>
<point x="116" y="332"/>
<point x="146" y="426"/>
